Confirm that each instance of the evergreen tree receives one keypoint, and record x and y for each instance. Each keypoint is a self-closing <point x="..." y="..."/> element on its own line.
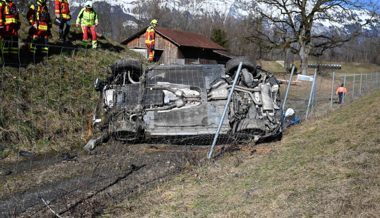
<point x="220" y="37"/>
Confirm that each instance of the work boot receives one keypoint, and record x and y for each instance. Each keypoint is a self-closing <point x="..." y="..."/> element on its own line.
<point x="84" y="43"/>
<point x="94" y="44"/>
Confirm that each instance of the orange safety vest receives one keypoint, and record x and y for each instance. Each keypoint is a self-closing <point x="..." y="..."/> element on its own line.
<point x="8" y="13"/>
<point x="341" y="90"/>
<point x="150" y="36"/>
<point x="62" y="8"/>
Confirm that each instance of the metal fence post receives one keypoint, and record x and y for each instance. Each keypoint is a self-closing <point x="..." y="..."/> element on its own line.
<point x="353" y="86"/>
<point x="332" y="90"/>
<point x="288" y="88"/>
<point x="225" y="111"/>
<point x="311" y="94"/>
<point x="361" y="84"/>
<point x="344" y="84"/>
<point x="314" y="99"/>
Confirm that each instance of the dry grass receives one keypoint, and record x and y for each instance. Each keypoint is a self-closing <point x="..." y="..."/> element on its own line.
<point x="347" y="68"/>
<point x="271" y="66"/>
<point x="323" y="168"/>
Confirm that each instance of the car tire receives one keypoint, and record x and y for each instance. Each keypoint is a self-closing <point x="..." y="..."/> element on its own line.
<point x="125" y="65"/>
<point x="233" y="64"/>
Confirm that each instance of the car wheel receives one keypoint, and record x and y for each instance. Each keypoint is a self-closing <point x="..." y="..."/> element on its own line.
<point x="233" y="64"/>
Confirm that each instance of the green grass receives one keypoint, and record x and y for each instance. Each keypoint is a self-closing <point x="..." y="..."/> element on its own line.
<point x="327" y="167"/>
<point x="45" y="107"/>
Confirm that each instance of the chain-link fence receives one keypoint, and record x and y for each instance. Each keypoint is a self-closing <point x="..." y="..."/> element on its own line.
<point x="325" y="97"/>
<point x="49" y="102"/>
<point x="48" y="98"/>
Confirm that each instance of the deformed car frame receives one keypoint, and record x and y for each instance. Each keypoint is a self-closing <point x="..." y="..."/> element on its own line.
<point x="186" y="100"/>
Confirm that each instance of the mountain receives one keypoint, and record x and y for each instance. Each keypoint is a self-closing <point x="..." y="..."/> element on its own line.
<point x="124" y="15"/>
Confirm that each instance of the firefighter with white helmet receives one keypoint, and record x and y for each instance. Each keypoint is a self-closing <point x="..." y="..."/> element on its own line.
<point x="88" y="20"/>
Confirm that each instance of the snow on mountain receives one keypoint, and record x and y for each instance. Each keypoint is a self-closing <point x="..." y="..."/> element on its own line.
<point x="129" y="11"/>
<point x="225" y="8"/>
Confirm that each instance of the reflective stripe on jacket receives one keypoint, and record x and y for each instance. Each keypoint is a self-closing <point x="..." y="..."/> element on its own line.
<point x="8" y="13"/>
<point x="150" y="36"/>
<point x="62" y="9"/>
<point x="39" y="15"/>
<point x="87" y="18"/>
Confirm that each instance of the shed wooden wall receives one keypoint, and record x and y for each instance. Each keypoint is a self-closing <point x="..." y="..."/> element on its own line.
<point x="170" y="53"/>
<point x="170" y="50"/>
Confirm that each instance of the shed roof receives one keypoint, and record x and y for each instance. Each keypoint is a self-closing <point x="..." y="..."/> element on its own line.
<point x="181" y="38"/>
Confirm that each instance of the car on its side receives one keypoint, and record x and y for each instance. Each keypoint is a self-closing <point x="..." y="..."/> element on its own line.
<point x="187" y="101"/>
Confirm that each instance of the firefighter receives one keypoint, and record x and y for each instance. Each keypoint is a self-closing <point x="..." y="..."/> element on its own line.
<point x="88" y="19"/>
<point x="63" y="17"/>
<point x="10" y="23"/>
<point x="40" y="30"/>
<point x="150" y="36"/>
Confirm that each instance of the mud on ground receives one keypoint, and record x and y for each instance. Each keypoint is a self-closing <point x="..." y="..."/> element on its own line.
<point x="82" y="185"/>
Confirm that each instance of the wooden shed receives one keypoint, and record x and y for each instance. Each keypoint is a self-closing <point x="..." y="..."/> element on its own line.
<point x="178" y="47"/>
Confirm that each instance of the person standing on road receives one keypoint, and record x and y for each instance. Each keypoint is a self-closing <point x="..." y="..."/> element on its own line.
<point x="88" y="19"/>
<point x="63" y="17"/>
<point x="341" y="91"/>
<point x="9" y="24"/>
<point x="150" y="36"/>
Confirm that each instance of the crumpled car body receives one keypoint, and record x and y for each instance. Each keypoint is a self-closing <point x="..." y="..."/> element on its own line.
<point x="187" y="101"/>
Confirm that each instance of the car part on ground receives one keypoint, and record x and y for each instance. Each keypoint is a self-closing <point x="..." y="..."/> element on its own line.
<point x="186" y="101"/>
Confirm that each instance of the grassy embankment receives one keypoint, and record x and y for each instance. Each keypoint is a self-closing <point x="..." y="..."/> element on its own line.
<point x="45" y="107"/>
<point x="327" y="168"/>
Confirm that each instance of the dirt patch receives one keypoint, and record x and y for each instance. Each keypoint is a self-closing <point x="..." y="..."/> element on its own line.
<point x="86" y="184"/>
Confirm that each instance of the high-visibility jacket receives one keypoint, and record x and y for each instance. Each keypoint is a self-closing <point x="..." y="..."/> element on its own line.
<point x="8" y="13"/>
<point x="38" y="15"/>
<point x="150" y="36"/>
<point x="62" y="9"/>
<point x="87" y="18"/>
<point x="341" y="90"/>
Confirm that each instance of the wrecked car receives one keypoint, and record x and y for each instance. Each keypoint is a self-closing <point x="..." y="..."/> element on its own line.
<point x="137" y="104"/>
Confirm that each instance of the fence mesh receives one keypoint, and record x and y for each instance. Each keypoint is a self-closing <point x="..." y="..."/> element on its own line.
<point x="46" y="98"/>
<point x="325" y="97"/>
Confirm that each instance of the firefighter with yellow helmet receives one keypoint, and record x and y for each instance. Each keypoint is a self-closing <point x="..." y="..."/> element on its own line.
<point x="150" y="36"/>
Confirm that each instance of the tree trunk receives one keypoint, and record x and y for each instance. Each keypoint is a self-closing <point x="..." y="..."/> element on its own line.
<point x="287" y="61"/>
<point x="304" y="55"/>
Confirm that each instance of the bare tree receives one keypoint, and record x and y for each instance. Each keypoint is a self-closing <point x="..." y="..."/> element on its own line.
<point x="289" y="25"/>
